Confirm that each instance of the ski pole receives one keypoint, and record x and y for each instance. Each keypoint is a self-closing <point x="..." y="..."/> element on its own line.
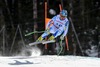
<point x="34" y="32"/>
<point x="61" y="48"/>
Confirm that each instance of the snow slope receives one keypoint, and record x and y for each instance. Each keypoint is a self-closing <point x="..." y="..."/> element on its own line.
<point x="49" y="60"/>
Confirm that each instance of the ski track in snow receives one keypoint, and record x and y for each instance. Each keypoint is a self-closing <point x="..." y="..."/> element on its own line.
<point x="49" y="60"/>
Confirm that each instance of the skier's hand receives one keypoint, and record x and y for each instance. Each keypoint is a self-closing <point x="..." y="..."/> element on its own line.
<point x="62" y="37"/>
<point x="48" y="30"/>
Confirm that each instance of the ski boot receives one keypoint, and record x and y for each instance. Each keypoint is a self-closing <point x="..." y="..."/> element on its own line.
<point x="51" y="38"/>
<point x="40" y="39"/>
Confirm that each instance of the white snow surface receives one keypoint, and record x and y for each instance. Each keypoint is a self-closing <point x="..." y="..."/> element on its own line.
<point x="49" y="60"/>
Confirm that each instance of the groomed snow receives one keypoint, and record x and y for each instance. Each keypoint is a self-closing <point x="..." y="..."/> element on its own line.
<point x="49" y="60"/>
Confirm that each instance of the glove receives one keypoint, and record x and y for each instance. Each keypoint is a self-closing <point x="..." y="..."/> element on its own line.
<point x="62" y="37"/>
<point x="48" y="30"/>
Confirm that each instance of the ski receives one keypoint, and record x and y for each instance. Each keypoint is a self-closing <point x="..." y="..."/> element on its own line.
<point x="34" y="43"/>
<point x="51" y="41"/>
<point x="41" y="42"/>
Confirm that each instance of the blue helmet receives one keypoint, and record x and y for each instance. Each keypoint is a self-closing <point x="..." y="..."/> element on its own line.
<point x="64" y="13"/>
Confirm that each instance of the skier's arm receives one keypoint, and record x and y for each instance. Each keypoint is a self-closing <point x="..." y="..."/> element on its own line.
<point x="50" y="22"/>
<point x="66" y="28"/>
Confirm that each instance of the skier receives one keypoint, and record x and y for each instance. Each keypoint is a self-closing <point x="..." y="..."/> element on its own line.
<point x="57" y="26"/>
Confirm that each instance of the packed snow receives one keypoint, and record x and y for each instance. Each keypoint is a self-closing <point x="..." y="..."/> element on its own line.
<point x="38" y="60"/>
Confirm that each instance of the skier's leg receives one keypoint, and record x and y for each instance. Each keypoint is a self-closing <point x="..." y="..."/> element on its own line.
<point x="58" y="33"/>
<point x="54" y="35"/>
<point x="45" y="34"/>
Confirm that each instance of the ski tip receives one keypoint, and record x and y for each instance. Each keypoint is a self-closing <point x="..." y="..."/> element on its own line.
<point x="30" y="44"/>
<point x="34" y="43"/>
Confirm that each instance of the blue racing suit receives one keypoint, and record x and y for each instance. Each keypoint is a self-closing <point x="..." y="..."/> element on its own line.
<point x="56" y="27"/>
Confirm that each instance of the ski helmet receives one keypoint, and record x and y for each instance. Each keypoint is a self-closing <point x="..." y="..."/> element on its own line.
<point x="64" y="13"/>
